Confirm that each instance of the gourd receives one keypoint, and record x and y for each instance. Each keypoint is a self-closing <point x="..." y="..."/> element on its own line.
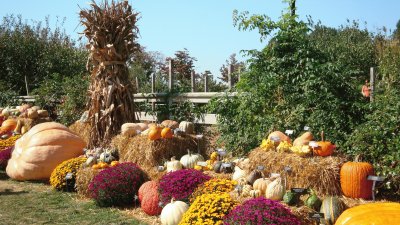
<point x="41" y="149"/>
<point x="275" y="190"/>
<point x="331" y="207"/>
<point x="43" y="113"/>
<point x="173" y="165"/>
<point x="106" y="157"/>
<point x="166" y="133"/>
<point x="170" y="124"/>
<point x="353" y="179"/>
<point x="255" y="193"/>
<point x="146" y="186"/>
<point x="150" y="201"/>
<point x="304" y="139"/>
<point x="325" y="148"/>
<point x="190" y="160"/>
<point x="187" y="127"/>
<point x="290" y="198"/>
<point x="32" y="113"/>
<point x="217" y="166"/>
<point x="372" y="213"/>
<point x="246" y="190"/>
<point x="313" y="201"/>
<point x="261" y="184"/>
<point x="130" y="129"/>
<point x="280" y="135"/>
<point x="239" y="173"/>
<point x="172" y="213"/>
<point x="114" y="163"/>
<point x="253" y="176"/>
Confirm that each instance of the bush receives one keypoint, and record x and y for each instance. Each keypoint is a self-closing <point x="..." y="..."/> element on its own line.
<point x="57" y="178"/>
<point x="5" y="155"/>
<point x="260" y="211"/>
<point x="213" y="186"/>
<point x="118" y="185"/>
<point x="208" y="209"/>
<point x="180" y="184"/>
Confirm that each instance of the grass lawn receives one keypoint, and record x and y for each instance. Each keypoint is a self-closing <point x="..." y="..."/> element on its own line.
<point x="38" y="203"/>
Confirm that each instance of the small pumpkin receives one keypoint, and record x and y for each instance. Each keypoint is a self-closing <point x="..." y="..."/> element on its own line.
<point x="173" y="212"/>
<point x="261" y="184"/>
<point x="331" y="207"/>
<point x="275" y="190"/>
<point x="170" y="124"/>
<point x="174" y="165"/>
<point x="353" y="179"/>
<point x="190" y="160"/>
<point x="155" y="133"/>
<point x="166" y="133"/>
<point x="187" y="127"/>
<point x="239" y="173"/>
<point x="325" y="148"/>
<point x="372" y="213"/>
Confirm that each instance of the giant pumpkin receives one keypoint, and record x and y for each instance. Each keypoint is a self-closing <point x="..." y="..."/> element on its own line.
<point x="41" y="149"/>
<point x="354" y="179"/>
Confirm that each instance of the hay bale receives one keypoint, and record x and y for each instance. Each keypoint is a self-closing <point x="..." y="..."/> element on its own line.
<point x="81" y="129"/>
<point x="319" y="173"/>
<point x="83" y="178"/>
<point x="219" y="175"/>
<point x="150" y="154"/>
<point x="29" y="123"/>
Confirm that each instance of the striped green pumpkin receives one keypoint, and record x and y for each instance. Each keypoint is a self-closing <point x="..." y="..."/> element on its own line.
<point x="331" y="207"/>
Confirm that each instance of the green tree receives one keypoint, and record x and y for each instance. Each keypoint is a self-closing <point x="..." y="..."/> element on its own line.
<point x="238" y="67"/>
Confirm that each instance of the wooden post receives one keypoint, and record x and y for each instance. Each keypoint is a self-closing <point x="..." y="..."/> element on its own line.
<point x="239" y="72"/>
<point x="26" y="86"/>
<point x="205" y="82"/>
<point x="371" y="84"/>
<point x="193" y="81"/>
<point x="230" y="71"/>
<point x="170" y="76"/>
<point x="137" y="84"/>
<point x="153" y="90"/>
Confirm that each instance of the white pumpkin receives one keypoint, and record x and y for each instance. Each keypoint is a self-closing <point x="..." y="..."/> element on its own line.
<point x="261" y="184"/>
<point x="172" y="213"/>
<point x="239" y="173"/>
<point x="173" y="165"/>
<point x="190" y="160"/>
<point x="187" y="127"/>
<point x="275" y="190"/>
<point x="129" y="129"/>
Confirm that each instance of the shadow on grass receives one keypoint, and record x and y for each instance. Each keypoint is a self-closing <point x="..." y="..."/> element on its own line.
<point x="3" y="175"/>
<point x="10" y="192"/>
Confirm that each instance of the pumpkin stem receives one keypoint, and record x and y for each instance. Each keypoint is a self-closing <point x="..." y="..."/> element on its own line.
<point x="358" y="158"/>
<point x="173" y="158"/>
<point x="322" y="136"/>
<point x="189" y="152"/>
<point x="172" y="200"/>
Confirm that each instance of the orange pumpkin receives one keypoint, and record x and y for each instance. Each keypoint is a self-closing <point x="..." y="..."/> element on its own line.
<point x="325" y="148"/>
<point x="8" y="125"/>
<point x="166" y="133"/>
<point x="353" y="179"/>
<point x="155" y="133"/>
<point x="41" y="149"/>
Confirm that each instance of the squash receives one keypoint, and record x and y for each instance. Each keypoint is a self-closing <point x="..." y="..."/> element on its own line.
<point x="255" y="193"/>
<point x="190" y="160"/>
<point x="114" y="163"/>
<point x="173" y="165"/>
<point x="130" y="129"/>
<point x="150" y="201"/>
<point x="313" y="201"/>
<point x="280" y="135"/>
<point x="261" y="184"/>
<point x="9" y="125"/>
<point x="372" y="213"/>
<point x="331" y="207"/>
<point x="41" y="149"/>
<point x="173" y="212"/>
<point x="214" y="156"/>
<point x="187" y="127"/>
<point x="96" y="166"/>
<point x="239" y="173"/>
<point x="253" y="176"/>
<point x="246" y="190"/>
<point x="170" y="124"/>
<point x="155" y="133"/>
<point x="166" y="133"/>
<point x="43" y="113"/>
<point x="290" y="198"/>
<point x="275" y="190"/>
<point x="353" y="179"/>
<point x="32" y="113"/>
<point x="304" y="139"/>
<point x="325" y="148"/>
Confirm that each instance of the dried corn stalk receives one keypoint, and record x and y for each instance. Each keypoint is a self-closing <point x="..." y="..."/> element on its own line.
<point x="111" y="32"/>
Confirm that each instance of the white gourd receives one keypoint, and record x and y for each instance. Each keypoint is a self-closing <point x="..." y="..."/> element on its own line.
<point x="239" y="173"/>
<point x="275" y="190"/>
<point x="187" y="127"/>
<point x="172" y="213"/>
<point x="246" y="190"/>
<point x="173" y="165"/>
<point x="190" y="160"/>
<point x="255" y="193"/>
<point x="261" y="184"/>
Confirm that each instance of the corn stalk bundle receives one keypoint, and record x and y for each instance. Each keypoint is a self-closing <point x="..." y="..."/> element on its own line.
<point x="111" y="32"/>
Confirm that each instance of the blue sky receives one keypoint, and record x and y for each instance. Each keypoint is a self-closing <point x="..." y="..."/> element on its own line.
<point x="205" y="27"/>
